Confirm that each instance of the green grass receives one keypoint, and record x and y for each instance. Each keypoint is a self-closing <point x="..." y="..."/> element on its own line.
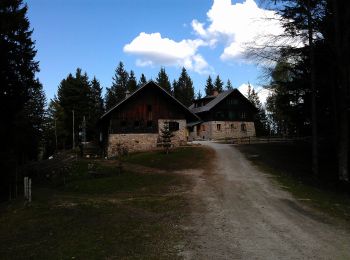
<point x="128" y="216"/>
<point x="178" y="159"/>
<point x="288" y="164"/>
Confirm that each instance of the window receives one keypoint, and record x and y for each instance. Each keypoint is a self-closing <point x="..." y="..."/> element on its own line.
<point x="232" y="126"/>
<point x="123" y="123"/>
<point x="203" y="127"/>
<point x="174" y="126"/>
<point x="218" y="127"/>
<point x="243" y="127"/>
<point x="243" y="115"/>
<point x="149" y="123"/>
<point x="136" y="124"/>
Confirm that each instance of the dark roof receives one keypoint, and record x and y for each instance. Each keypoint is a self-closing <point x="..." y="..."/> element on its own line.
<point x="142" y="87"/>
<point x="216" y="101"/>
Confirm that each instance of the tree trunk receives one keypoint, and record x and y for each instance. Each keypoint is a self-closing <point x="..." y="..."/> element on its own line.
<point x="341" y="12"/>
<point x="313" y="93"/>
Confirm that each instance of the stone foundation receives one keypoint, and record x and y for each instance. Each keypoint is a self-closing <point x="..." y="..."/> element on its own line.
<point x="146" y="141"/>
<point x="222" y="130"/>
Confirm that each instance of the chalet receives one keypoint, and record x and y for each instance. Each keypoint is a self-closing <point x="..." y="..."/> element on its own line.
<point x="137" y="120"/>
<point x="228" y="114"/>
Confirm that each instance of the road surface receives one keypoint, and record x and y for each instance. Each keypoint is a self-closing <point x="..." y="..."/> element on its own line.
<point x="238" y="212"/>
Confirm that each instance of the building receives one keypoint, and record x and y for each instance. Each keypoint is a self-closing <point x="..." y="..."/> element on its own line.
<point x="136" y="121"/>
<point x="228" y="114"/>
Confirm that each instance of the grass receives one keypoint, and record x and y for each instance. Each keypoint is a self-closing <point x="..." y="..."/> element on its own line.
<point x="128" y="216"/>
<point x="289" y="164"/>
<point x="178" y="159"/>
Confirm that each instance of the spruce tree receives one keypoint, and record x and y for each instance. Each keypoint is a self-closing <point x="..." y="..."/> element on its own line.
<point x="142" y="81"/>
<point x="132" y="84"/>
<point x="209" y="87"/>
<point x="260" y="120"/>
<point x="218" y="85"/>
<point x="74" y="94"/>
<point x="184" y="88"/>
<point x="228" y="85"/>
<point x="166" y="136"/>
<point x="163" y="80"/>
<point x="199" y="95"/>
<point x="21" y="95"/>
<point x="116" y="92"/>
<point x="96" y="109"/>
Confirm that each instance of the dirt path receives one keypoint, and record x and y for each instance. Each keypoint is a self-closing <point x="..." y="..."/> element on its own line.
<point x="238" y="213"/>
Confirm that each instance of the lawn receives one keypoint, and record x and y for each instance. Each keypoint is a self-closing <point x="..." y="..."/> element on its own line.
<point x="290" y="165"/>
<point x="132" y="215"/>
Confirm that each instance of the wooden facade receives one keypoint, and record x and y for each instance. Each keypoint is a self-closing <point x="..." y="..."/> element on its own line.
<point x="140" y="112"/>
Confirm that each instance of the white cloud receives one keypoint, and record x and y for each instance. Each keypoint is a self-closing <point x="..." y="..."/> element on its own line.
<point x="238" y="26"/>
<point x="154" y="50"/>
<point x="263" y="93"/>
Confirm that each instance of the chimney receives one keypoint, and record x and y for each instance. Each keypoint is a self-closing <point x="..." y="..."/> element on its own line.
<point x="127" y="94"/>
<point x="215" y="93"/>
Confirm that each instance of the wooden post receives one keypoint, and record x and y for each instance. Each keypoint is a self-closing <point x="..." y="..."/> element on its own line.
<point x="30" y="190"/>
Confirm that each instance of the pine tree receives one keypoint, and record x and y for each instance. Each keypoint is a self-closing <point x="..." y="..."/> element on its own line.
<point x="21" y="95"/>
<point x="132" y="84"/>
<point x="166" y="136"/>
<point x="163" y="80"/>
<point x="218" y="85"/>
<point x="199" y="95"/>
<point x="116" y="92"/>
<point x="209" y="87"/>
<point x="228" y="85"/>
<point x="74" y="94"/>
<point x="184" y="88"/>
<point x="96" y="109"/>
<point x="176" y="90"/>
<point x="142" y="81"/>
<point x="260" y="120"/>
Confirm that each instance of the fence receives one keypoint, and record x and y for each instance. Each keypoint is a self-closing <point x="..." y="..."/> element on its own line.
<point x="258" y="140"/>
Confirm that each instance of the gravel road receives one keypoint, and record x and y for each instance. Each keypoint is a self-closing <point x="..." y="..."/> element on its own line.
<point x="240" y="213"/>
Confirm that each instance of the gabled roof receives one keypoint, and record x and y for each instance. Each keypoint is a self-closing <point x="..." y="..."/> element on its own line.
<point x="151" y="82"/>
<point x="217" y="100"/>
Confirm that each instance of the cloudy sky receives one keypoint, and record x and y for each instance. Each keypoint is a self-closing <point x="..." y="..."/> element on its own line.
<point x="207" y="37"/>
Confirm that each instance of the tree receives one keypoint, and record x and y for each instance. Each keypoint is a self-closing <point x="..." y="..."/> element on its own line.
<point x="199" y="95"/>
<point x="183" y="89"/>
<point x="260" y="120"/>
<point x="142" y="81"/>
<point x="218" y="84"/>
<point x="166" y="136"/>
<point x="228" y="85"/>
<point x="132" y="84"/>
<point x="75" y="94"/>
<point x="163" y="80"/>
<point x="209" y="87"/>
<point x="96" y="109"/>
<point x="116" y="92"/>
<point x="21" y="95"/>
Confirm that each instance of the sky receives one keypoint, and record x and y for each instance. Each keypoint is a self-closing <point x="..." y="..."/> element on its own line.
<point x="207" y="37"/>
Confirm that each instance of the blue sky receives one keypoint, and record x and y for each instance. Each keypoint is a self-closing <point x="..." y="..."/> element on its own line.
<point x="205" y="36"/>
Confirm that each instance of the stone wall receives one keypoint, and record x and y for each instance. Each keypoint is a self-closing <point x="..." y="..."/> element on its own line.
<point x="222" y="129"/>
<point x="180" y="136"/>
<point x="145" y="141"/>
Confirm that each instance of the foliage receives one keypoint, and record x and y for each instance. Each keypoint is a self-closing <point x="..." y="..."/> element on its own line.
<point x="116" y="92"/>
<point x="132" y="84"/>
<point x="209" y="87"/>
<point x="260" y="120"/>
<point x="228" y="85"/>
<point x="218" y="84"/>
<point x="142" y="81"/>
<point x="22" y="98"/>
<point x="163" y="80"/>
<point x="166" y="136"/>
<point x="183" y="88"/>
<point x="309" y="83"/>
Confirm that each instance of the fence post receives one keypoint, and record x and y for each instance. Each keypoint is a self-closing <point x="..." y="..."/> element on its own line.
<point x="30" y="190"/>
